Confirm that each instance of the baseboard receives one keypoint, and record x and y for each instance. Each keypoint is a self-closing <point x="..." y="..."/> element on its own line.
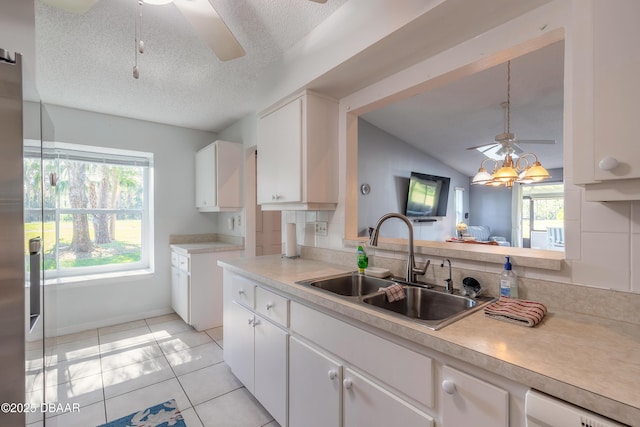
<point x="72" y="329"/>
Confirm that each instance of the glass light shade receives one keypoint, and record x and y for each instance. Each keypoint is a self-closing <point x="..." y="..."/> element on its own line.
<point x="482" y="177"/>
<point x="522" y="178"/>
<point x="505" y="174"/>
<point x="536" y="172"/>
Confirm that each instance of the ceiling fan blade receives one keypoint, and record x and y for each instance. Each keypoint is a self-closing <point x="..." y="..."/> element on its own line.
<point x="73" y="6"/>
<point x="208" y="24"/>
<point x="515" y="148"/>
<point x="536" y="141"/>
<point x="476" y="147"/>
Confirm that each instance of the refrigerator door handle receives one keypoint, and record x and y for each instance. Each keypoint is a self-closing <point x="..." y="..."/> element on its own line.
<point x="35" y="247"/>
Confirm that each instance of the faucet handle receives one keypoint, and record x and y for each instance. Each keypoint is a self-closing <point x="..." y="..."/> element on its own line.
<point x="422" y="271"/>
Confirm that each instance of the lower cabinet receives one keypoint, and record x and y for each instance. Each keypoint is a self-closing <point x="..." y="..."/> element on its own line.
<point x="320" y="386"/>
<point x="368" y="404"/>
<point x="315" y="387"/>
<point x="255" y="348"/>
<point x="467" y="401"/>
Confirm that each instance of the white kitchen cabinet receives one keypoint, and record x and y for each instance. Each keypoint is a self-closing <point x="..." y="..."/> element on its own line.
<point x="297" y="166"/>
<point x="270" y="384"/>
<point x="255" y="348"/>
<point x="318" y="389"/>
<point x="196" y="287"/>
<point x="239" y="343"/>
<point x="368" y="404"/>
<point x="219" y="177"/>
<point x="315" y="387"/>
<point x="467" y="400"/>
<point x="606" y="64"/>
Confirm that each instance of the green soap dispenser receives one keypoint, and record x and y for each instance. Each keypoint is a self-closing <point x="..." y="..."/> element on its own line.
<point x="508" y="281"/>
<point x="363" y="260"/>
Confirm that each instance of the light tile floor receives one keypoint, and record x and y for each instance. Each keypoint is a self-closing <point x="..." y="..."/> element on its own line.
<point x="114" y="371"/>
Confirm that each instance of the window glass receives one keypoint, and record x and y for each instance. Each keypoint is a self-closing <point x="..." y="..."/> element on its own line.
<point x="95" y="208"/>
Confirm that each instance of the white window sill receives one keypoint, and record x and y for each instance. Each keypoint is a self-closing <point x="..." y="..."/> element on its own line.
<point x="100" y="278"/>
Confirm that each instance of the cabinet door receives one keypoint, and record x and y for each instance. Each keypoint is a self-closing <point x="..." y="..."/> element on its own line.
<point x="280" y="155"/>
<point x="616" y="59"/>
<point x="317" y="405"/>
<point x="180" y="293"/>
<point x="239" y="344"/>
<point x="467" y="401"/>
<point x="206" y="177"/>
<point x="271" y="368"/>
<point x="367" y="404"/>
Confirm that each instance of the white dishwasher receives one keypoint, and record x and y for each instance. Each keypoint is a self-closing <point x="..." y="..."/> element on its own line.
<point x="544" y="411"/>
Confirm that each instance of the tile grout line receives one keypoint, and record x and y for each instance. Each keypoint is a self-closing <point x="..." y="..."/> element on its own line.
<point x="174" y="375"/>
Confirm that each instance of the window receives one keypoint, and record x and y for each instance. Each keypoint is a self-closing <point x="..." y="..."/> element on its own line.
<point x="459" y="204"/>
<point x="543" y="216"/>
<point x="94" y="204"/>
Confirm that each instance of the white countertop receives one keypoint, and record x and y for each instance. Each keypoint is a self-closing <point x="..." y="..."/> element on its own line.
<point x="200" y="248"/>
<point x="589" y="361"/>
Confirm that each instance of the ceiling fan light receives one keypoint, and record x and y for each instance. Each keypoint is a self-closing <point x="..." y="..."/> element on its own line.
<point x="536" y="172"/>
<point x="505" y="174"/>
<point x="482" y="177"/>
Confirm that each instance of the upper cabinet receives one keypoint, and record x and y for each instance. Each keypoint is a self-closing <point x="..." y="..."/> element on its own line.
<point x="219" y="177"/>
<point x="298" y="154"/>
<point x="606" y="90"/>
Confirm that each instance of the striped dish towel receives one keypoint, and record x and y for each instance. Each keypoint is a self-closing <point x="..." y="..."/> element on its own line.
<point x="394" y="292"/>
<point x="519" y="311"/>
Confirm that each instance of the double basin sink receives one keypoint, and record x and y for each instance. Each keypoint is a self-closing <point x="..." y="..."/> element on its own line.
<point x="429" y="307"/>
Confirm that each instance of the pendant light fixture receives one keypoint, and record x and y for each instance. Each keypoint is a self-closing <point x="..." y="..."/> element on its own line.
<point x="526" y="169"/>
<point x="139" y="44"/>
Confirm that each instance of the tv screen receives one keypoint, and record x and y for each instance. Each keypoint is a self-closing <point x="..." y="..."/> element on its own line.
<point x="427" y="195"/>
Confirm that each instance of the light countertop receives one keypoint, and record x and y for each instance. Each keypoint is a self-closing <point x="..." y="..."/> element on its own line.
<point x="206" y="247"/>
<point x="589" y="361"/>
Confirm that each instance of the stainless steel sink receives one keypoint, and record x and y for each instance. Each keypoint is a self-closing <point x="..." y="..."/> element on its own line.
<point x="429" y="307"/>
<point x="433" y="308"/>
<point x="350" y="285"/>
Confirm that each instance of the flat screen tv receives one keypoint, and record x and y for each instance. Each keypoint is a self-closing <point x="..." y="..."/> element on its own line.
<point x="427" y="195"/>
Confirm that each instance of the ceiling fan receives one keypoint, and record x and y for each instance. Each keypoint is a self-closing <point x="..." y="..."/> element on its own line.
<point x="506" y="143"/>
<point x="200" y="14"/>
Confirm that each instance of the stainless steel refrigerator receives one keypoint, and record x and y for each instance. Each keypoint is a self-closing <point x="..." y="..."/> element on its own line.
<point x="20" y="305"/>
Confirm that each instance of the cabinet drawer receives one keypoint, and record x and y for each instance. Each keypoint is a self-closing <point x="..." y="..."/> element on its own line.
<point x="406" y="370"/>
<point x="272" y="306"/>
<point x="243" y="291"/>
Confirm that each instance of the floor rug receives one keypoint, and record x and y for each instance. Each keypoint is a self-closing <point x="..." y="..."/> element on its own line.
<point x="162" y="415"/>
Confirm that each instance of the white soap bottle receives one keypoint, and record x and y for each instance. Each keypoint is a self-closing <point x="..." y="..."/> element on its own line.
<point x="508" y="281"/>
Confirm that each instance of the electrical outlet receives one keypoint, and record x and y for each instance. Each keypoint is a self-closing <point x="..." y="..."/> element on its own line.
<point x="321" y="228"/>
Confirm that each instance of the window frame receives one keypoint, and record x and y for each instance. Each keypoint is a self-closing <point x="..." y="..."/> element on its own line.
<point x="99" y="155"/>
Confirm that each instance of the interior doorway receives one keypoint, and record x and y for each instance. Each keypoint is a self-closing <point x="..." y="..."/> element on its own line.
<point x="264" y="228"/>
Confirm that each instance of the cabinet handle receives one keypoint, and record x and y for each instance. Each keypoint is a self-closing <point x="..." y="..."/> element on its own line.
<point x="347" y="383"/>
<point x="449" y="386"/>
<point x="256" y="322"/>
<point x="240" y="291"/>
<point x="250" y="321"/>
<point x="269" y="305"/>
<point x="608" y="163"/>
<point x="332" y="374"/>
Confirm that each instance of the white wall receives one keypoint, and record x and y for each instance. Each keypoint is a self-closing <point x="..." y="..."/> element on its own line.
<point x="72" y="307"/>
<point x="385" y="163"/>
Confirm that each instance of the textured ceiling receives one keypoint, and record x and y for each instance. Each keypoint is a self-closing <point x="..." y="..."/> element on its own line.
<point x="86" y="61"/>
